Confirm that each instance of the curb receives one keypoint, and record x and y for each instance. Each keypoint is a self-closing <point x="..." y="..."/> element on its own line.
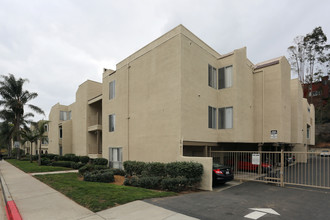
<point x="11" y="208"/>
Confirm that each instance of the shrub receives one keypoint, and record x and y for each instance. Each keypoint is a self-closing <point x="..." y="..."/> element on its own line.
<point x="76" y="166"/>
<point x="62" y="164"/>
<point x="104" y="176"/>
<point x="190" y="170"/>
<point x="45" y="161"/>
<point x="34" y="157"/>
<point x="15" y="151"/>
<point x="50" y="156"/>
<point x="176" y="184"/>
<point x="100" y="161"/>
<point x="70" y="157"/>
<point x="84" y="159"/>
<point x="155" y="169"/>
<point x="90" y="168"/>
<point x="132" y="181"/>
<point x="149" y="182"/>
<point x="118" y="172"/>
<point x="134" y="167"/>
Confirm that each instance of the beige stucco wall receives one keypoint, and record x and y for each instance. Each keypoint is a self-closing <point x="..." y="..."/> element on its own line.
<point x="81" y="111"/>
<point x="296" y="112"/>
<point x="146" y="104"/>
<point x="272" y="104"/>
<point x="206" y="183"/>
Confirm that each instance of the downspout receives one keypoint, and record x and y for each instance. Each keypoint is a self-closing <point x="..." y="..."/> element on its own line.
<point x="263" y="101"/>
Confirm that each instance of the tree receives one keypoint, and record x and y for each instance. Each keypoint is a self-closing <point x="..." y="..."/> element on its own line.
<point x="29" y="135"/>
<point x="15" y="99"/>
<point x="309" y="57"/>
<point x="40" y="131"/>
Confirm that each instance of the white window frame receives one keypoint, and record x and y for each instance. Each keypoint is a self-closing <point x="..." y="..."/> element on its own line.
<point x="225" y="77"/>
<point x="226" y="115"/>
<point x="112" y="89"/>
<point x="212" y="117"/>
<point x="212" y="76"/>
<point x="117" y="162"/>
<point x="112" y="122"/>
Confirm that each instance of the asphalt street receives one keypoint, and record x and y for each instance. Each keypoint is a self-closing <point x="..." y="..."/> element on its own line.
<point x="238" y="201"/>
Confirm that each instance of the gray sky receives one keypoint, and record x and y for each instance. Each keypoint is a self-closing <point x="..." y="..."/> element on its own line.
<point x="59" y="44"/>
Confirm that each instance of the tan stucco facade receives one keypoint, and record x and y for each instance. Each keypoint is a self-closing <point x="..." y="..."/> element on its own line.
<point x="159" y="100"/>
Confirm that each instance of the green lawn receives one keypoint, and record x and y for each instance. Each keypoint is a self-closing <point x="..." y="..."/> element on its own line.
<point x="97" y="196"/>
<point x="33" y="167"/>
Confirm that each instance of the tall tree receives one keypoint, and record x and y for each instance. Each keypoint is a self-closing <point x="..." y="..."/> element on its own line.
<point x="15" y="98"/>
<point x="29" y="135"/>
<point x="40" y="130"/>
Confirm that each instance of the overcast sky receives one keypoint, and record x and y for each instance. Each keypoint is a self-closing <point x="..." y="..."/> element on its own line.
<point x="59" y="44"/>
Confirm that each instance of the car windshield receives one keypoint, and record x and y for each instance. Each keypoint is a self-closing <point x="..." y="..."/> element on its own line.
<point x="325" y="151"/>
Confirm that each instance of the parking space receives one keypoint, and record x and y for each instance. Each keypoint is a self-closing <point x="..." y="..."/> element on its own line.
<point x="251" y="200"/>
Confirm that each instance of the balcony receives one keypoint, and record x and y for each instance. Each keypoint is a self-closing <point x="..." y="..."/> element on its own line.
<point x="95" y="122"/>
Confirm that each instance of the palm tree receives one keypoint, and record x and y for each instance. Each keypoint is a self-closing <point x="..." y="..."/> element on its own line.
<point x="40" y="131"/>
<point x="15" y="98"/>
<point x="29" y="135"/>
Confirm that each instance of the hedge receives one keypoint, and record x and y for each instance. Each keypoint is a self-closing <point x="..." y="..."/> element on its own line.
<point x="105" y="176"/>
<point x="100" y="161"/>
<point x="134" y="167"/>
<point x="61" y="164"/>
<point x="84" y="159"/>
<point x="175" y="176"/>
<point x="90" y="168"/>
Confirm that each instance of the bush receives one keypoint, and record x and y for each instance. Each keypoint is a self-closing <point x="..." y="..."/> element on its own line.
<point x="50" y="156"/>
<point x="176" y="184"/>
<point x="134" y="167"/>
<point x="155" y="169"/>
<point x="45" y="161"/>
<point x="62" y="164"/>
<point x="132" y="181"/>
<point x="149" y="182"/>
<point x="190" y="170"/>
<point x="35" y="157"/>
<point x="118" y="172"/>
<point x="105" y="176"/>
<point x="70" y="157"/>
<point x="15" y="151"/>
<point x="91" y="167"/>
<point x="25" y="159"/>
<point x="76" y="166"/>
<point x="84" y="159"/>
<point x="100" y="161"/>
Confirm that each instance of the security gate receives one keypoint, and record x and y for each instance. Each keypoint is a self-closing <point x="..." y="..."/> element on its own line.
<point x="283" y="168"/>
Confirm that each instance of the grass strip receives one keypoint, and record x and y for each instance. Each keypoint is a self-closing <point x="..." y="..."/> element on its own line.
<point x="97" y="196"/>
<point x="33" y="167"/>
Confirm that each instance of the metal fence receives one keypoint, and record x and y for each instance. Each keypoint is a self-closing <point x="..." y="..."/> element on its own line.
<point x="283" y="168"/>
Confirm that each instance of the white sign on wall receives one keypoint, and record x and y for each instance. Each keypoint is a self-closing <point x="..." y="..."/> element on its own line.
<point x="256" y="159"/>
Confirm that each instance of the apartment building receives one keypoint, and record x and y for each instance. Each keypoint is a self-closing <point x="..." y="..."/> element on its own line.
<point x="177" y="99"/>
<point x="33" y="148"/>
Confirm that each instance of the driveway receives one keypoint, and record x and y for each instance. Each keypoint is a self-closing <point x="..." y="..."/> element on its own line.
<point x="238" y="201"/>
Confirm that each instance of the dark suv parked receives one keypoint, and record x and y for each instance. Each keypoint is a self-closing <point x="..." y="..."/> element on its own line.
<point x="221" y="174"/>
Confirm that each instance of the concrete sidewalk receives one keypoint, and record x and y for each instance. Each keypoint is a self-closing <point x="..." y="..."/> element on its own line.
<point x="35" y="200"/>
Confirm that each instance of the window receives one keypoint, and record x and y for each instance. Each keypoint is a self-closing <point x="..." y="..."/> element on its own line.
<point x="225" y="117"/>
<point x="308" y="131"/>
<point x="112" y="88"/>
<point x="225" y="77"/>
<point x="212" y="117"/>
<point x="61" y="133"/>
<point x="115" y="157"/>
<point x="212" y="77"/>
<point x="46" y="127"/>
<point x="112" y="122"/>
<point x="65" y="115"/>
<point x="44" y="141"/>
